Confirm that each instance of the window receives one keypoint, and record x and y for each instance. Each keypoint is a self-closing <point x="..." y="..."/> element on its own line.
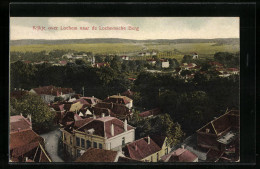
<point x="100" y="146"/>
<point x="88" y="144"/>
<point x="123" y="141"/>
<point x="78" y="153"/>
<point x="157" y="156"/>
<point x="166" y="151"/>
<point x="77" y="141"/>
<point x="95" y="144"/>
<point x="82" y="143"/>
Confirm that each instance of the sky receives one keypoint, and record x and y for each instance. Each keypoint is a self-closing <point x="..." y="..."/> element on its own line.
<point x="149" y="27"/>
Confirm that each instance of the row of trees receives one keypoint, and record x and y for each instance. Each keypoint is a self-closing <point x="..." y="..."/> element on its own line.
<point x="192" y="103"/>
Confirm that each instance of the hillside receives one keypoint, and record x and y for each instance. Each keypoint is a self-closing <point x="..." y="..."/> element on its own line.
<point x="218" y="41"/>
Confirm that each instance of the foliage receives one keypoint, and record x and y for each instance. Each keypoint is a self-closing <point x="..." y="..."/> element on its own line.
<point x="42" y="116"/>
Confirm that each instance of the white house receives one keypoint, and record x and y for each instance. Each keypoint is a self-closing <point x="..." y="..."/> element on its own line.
<point x="165" y="64"/>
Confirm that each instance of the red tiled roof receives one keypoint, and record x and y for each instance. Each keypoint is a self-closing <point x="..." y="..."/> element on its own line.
<point x="214" y="155"/>
<point x="148" y="113"/>
<point x="232" y="69"/>
<point x="102" y="126"/>
<point x="91" y="100"/>
<point x="182" y="155"/>
<point x="97" y="155"/>
<point x="52" y="90"/>
<point x="215" y="64"/>
<point x="19" y="139"/>
<point x="143" y="149"/>
<point x="19" y="123"/>
<point x="19" y="151"/>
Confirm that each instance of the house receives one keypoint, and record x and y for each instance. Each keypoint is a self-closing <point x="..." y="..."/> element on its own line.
<point x="25" y="145"/>
<point x="146" y="149"/>
<point x="108" y="133"/>
<point x="99" y="155"/>
<point x="154" y="53"/>
<point x="195" y="56"/>
<point x="119" y="111"/>
<point x="128" y="93"/>
<point x="221" y="134"/>
<point x="180" y="155"/>
<point x="233" y="71"/>
<point x="120" y="100"/>
<point x="48" y="93"/>
<point x="68" y="55"/>
<point x="62" y="62"/>
<point x="91" y="100"/>
<point x="215" y="64"/>
<point x="151" y="61"/>
<point x="124" y="57"/>
<point x="165" y="63"/>
<point x="142" y="54"/>
<point x="187" y="66"/>
<point x="98" y="65"/>
<point x="150" y="113"/>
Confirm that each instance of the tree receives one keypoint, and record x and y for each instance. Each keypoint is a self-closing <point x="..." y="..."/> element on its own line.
<point x="42" y="116"/>
<point x="116" y="64"/>
<point x="58" y="99"/>
<point x="98" y="59"/>
<point x="187" y="59"/>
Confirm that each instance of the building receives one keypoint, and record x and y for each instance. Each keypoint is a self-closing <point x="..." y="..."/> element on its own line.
<point x="98" y="65"/>
<point x="147" y="149"/>
<point x="120" y="100"/>
<point x="221" y="134"/>
<point x="180" y="155"/>
<point x="151" y="61"/>
<point x="124" y="57"/>
<point x="48" y="93"/>
<point x="25" y="145"/>
<point x="91" y="100"/>
<point x="150" y="113"/>
<point x="108" y="133"/>
<point x="187" y="66"/>
<point x="119" y="111"/>
<point x="165" y="63"/>
<point x="99" y="155"/>
<point x="195" y="56"/>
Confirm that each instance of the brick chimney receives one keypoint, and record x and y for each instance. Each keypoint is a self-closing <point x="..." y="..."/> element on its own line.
<point x="103" y="114"/>
<point x="125" y="125"/>
<point x="112" y="129"/>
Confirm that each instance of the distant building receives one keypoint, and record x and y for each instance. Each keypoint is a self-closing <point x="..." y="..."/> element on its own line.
<point x="150" y="113"/>
<point x="151" y="61"/>
<point x="187" y="66"/>
<point x="108" y="133"/>
<point x="48" y="93"/>
<point x="120" y="100"/>
<point x="147" y="149"/>
<point x="25" y="145"/>
<point x="165" y="63"/>
<point x="124" y="57"/>
<point x="98" y="65"/>
<point x="195" y="56"/>
<point x="180" y="155"/>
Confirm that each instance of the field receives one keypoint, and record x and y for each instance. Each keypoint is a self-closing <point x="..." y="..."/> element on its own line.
<point x="169" y="50"/>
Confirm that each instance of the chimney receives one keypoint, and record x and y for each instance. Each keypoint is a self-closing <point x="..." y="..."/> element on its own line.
<point x="136" y="147"/>
<point x="93" y="97"/>
<point x="29" y="117"/>
<point x="125" y="125"/>
<point x="103" y="114"/>
<point x="148" y="140"/>
<point x="21" y="114"/>
<point x="26" y="159"/>
<point x="94" y="116"/>
<point x="182" y="146"/>
<point x="207" y="130"/>
<point x="112" y="129"/>
<point x="14" y="89"/>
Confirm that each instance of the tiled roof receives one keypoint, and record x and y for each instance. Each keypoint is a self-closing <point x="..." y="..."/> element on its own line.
<point x="97" y="155"/>
<point x="19" y="123"/>
<point x="224" y="122"/>
<point x="91" y="100"/>
<point x="19" y="139"/>
<point x="19" y="151"/>
<point x="182" y="155"/>
<point x="147" y="113"/>
<point x="113" y="109"/>
<point x="118" y="99"/>
<point x="159" y="140"/>
<point x="126" y="159"/>
<point x="102" y="126"/>
<point x="140" y="149"/>
<point x="52" y="90"/>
